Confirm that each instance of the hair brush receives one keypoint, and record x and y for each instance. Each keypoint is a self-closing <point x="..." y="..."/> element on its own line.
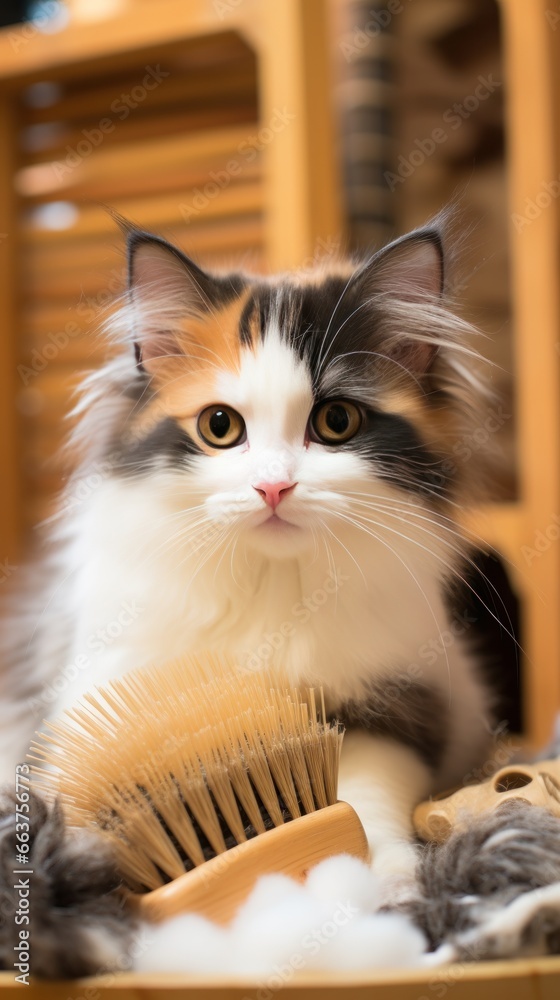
<point x="203" y="780"/>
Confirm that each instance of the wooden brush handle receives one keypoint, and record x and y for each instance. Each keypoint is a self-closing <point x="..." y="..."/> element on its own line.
<point x="217" y="888"/>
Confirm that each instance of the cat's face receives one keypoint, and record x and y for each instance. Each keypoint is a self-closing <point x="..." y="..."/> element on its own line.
<point x="286" y="413"/>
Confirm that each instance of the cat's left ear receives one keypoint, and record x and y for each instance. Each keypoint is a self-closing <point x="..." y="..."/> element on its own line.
<point x="164" y="285"/>
<point x="410" y="271"/>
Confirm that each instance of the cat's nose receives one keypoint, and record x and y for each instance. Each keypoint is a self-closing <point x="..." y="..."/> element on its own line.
<point x="273" y="493"/>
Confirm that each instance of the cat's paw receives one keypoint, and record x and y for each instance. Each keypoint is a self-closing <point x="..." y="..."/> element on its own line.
<point x="395" y="865"/>
<point x="68" y="896"/>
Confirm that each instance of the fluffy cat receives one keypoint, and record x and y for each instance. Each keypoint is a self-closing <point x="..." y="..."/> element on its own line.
<point x="268" y="469"/>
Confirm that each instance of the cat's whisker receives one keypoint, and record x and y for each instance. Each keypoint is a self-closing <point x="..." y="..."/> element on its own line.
<point x="332" y="316"/>
<point x="320" y="362"/>
<point x="451" y="527"/>
<point x="405" y="516"/>
<point x="375" y="354"/>
<point x="186" y="533"/>
<point x="464" y="557"/>
<point x="343" y="546"/>
<point x="391" y="549"/>
<point x="453" y="571"/>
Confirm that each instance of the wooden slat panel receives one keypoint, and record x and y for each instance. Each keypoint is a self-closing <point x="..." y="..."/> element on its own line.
<point x="141" y="127"/>
<point x="94" y="286"/>
<point x="238" y="199"/>
<point x="193" y="31"/>
<point x="191" y="156"/>
<point x="10" y="491"/>
<point x="48" y="262"/>
<point x="533" y="52"/>
<point x="235" y="82"/>
<point x="147" y="168"/>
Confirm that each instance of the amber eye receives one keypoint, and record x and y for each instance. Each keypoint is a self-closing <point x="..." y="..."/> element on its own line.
<point x="336" y="421"/>
<point x="220" y="426"/>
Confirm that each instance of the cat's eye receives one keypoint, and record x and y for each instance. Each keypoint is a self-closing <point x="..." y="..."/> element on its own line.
<point x="335" y="421"/>
<point x="220" y="426"/>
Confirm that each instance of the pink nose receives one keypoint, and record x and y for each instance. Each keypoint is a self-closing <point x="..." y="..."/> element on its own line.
<point x="273" y="493"/>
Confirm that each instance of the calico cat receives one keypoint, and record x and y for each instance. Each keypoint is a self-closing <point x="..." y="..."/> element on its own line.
<point x="268" y="469"/>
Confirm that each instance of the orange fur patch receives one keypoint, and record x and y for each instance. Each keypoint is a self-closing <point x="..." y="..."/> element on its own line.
<point x="185" y="380"/>
<point x="438" y="427"/>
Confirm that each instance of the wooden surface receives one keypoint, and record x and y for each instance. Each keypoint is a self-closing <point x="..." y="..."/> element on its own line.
<point x="302" y="183"/>
<point x="523" y="979"/>
<point x="217" y="888"/>
<point x="10" y="494"/>
<point x="531" y="50"/>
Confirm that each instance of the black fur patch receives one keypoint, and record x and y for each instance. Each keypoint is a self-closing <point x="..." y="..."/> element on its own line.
<point x="406" y="711"/>
<point x="166" y="442"/>
<point x="335" y="320"/>
<point x="215" y="290"/>
<point x="393" y="445"/>
<point x="80" y="921"/>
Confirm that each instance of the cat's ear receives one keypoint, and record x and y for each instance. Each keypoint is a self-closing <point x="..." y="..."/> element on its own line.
<point x="409" y="271"/>
<point x="164" y="286"/>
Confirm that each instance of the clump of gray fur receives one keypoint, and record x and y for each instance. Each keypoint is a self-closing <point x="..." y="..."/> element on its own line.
<point x="467" y="886"/>
<point x="80" y="921"/>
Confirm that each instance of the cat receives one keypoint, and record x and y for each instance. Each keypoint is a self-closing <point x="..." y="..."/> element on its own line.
<point x="268" y="469"/>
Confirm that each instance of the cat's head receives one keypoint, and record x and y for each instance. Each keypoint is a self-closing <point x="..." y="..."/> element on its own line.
<point x="301" y="406"/>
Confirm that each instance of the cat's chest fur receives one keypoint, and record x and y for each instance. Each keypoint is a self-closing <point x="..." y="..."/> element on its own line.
<point x="335" y="617"/>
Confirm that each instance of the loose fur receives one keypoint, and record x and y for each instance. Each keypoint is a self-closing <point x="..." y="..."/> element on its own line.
<point x="68" y="899"/>
<point x="493" y="891"/>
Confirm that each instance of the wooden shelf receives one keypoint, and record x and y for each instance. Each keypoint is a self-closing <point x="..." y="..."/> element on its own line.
<point x="523" y="979"/>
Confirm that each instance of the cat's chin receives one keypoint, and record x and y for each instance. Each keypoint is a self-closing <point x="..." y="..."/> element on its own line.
<point x="279" y="538"/>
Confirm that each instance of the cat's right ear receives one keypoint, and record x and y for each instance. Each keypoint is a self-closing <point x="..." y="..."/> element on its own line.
<point x="164" y="286"/>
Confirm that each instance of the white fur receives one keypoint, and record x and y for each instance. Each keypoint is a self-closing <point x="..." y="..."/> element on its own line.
<point x="284" y="930"/>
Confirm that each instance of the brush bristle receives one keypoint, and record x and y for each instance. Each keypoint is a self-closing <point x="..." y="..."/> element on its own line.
<point x="178" y="764"/>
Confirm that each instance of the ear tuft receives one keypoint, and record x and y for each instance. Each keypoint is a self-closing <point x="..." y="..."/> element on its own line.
<point x="410" y="269"/>
<point x="156" y="268"/>
<point x="409" y="272"/>
<point x="164" y="286"/>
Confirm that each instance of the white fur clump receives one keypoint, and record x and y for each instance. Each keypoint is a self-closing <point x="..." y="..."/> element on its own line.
<point x="284" y="928"/>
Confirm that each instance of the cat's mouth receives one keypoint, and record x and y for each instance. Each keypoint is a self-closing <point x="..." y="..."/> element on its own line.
<point x="276" y="523"/>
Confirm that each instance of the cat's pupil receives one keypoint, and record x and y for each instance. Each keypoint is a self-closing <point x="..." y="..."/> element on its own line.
<point x="337" y="419"/>
<point x="219" y="423"/>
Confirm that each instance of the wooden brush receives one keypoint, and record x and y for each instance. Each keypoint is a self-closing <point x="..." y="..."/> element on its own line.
<point x="202" y="780"/>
